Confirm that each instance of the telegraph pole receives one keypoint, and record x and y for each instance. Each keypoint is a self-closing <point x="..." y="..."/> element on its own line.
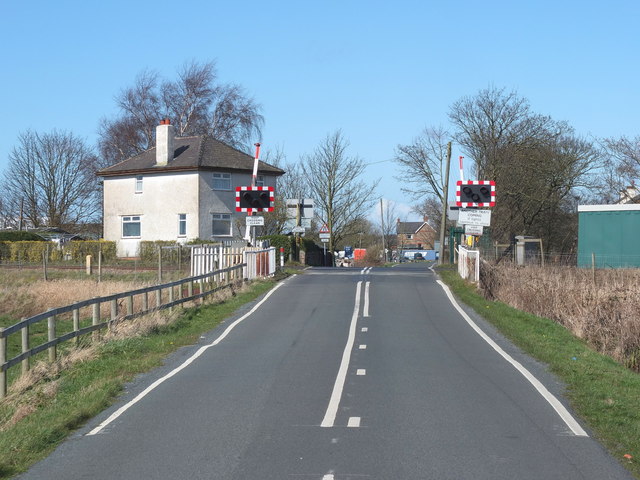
<point x="445" y="193"/>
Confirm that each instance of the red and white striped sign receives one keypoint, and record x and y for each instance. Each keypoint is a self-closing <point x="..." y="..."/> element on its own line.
<point x="491" y="193"/>
<point x="240" y="190"/>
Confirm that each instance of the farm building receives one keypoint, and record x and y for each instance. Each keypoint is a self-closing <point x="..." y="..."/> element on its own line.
<point x="608" y="235"/>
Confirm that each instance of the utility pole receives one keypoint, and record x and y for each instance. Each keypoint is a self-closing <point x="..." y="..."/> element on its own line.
<point x="445" y="193"/>
<point x="384" y="251"/>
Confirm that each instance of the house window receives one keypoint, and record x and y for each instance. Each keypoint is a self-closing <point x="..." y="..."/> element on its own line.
<point x="260" y="181"/>
<point x="131" y="226"/>
<point x="409" y="236"/>
<point x="182" y="224"/>
<point x="221" y="224"/>
<point x="139" y="184"/>
<point x="222" y="181"/>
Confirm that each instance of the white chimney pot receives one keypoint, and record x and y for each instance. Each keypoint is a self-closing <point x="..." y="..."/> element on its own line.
<point x="165" y="133"/>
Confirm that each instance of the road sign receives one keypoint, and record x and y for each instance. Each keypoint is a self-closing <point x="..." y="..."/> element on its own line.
<point x="476" y="193"/>
<point x="324" y="240"/>
<point x="473" y="216"/>
<point x="324" y="236"/>
<point x="297" y="229"/>
<point x="324" y="229"/>
<point x="473" y="229"/>
<point x="254" y="199"/>
<point x="306" y="207"/>
<point x="255" y="221"/>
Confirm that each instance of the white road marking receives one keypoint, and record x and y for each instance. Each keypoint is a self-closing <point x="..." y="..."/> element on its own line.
<point x="354" y="422"/>
<point x="361" y="371"/>
<point x="328" y="476"/>
<point x="546" y="394"/>
<point x="332" y="409"/>
<point x="365" y="329"/>
<point x="188" y="362"/>
<point x="362" y="347"/>
<point x="365" y="309"/>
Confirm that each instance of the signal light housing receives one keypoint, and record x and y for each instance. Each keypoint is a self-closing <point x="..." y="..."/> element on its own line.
<point x="476" y="193"/>
<point x="254" y="199"/>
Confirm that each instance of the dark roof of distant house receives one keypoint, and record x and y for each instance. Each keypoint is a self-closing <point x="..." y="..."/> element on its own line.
<point x="191" y="153"/>
<point x="404" y="228"/>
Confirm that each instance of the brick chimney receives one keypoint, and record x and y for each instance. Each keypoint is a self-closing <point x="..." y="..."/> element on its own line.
<point x="165" y="133"/>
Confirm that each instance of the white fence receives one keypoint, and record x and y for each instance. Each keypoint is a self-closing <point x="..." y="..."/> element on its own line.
<point x="259" y="262"/>
<point x="469" y="264"/>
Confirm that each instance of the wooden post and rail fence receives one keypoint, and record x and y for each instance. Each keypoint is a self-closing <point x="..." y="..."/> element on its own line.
<point x="122" y="307"/>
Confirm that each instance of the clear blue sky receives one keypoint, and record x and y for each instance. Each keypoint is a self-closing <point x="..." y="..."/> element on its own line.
<point x="379" y="70"/>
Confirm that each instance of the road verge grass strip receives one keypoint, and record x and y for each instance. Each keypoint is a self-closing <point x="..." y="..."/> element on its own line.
<point x="602" y="392"/>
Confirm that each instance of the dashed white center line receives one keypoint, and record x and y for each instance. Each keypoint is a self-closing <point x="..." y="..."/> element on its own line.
<point x="361" y="371"/>
<point x="365" y="329"/>
<point x="328" y="477"/>
<point x="336" y="394"/>
<point x="362" y="347"/>
<point x="354" y="422"/>
<point x="365" y="308"/>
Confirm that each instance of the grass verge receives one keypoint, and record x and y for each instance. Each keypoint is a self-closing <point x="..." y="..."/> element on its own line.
<point x="604" y="393"/>
<point x="43" y="417"/>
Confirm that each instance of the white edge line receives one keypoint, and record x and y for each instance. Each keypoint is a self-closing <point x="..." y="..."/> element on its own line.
<point x="184" y="365"/>
<point x="546" y="394"/>
<point x="365" y="308"/>
<point x="334" y="402"/>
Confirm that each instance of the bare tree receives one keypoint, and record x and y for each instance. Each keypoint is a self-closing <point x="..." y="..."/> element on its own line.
<point x="52" y="176"/>
<point x="621" y="170"/>
<point x="539" y="165"/>
<point x="196" y="103"/>
<point x="423" y="163"/>
<point x="333" y="182"/>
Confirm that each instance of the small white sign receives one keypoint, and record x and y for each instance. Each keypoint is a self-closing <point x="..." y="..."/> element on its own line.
<point x="253" y="221"/>
<point x="324" y="240"/>
<point x="473" y="229"/>
<point x="297" y="229"/>
<point x="325" y="236"/>
<point x="474" y="216"/>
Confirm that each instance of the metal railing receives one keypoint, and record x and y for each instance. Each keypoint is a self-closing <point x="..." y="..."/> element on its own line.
<point x="120" y="308"/>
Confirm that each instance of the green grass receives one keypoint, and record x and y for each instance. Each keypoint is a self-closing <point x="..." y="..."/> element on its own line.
<point x="89" y="387"/>
<point x="604" y="393"/>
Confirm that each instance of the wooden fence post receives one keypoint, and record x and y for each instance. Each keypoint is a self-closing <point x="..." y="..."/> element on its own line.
<point x="51" y="335"/>
<point x="3" y="360"/>
<point x="114" y="312"/>
<point x="130" y="305"/>
<point x="95" y="319"/>
<point x="76" y="324"/>
<point x="25" y="348"/>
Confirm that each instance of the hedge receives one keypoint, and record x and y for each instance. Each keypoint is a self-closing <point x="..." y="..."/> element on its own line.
<point x="32" y="251"/>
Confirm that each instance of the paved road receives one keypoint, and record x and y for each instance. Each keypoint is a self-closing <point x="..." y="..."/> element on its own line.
<point x="340" y="374"/>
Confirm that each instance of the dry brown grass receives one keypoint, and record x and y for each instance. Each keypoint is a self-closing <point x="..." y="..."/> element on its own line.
<point x="25" y="300"/>
<point x="603" y="312"/>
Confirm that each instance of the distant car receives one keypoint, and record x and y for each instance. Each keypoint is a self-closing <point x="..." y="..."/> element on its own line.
<point x="418" y="256"/>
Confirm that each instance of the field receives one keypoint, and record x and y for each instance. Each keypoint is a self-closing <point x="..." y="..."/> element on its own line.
<point x="598" y="306"/>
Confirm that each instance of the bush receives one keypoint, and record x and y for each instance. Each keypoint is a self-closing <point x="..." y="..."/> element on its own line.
<point x="279" y="241"/>
<point x="78" y="250"/>
<point x="149" y="249"/>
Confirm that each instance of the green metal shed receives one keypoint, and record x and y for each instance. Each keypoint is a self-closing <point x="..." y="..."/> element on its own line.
<point x="610" y="234"/>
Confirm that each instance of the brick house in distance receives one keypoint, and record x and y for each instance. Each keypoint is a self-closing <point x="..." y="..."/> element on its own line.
<point x="181" y="189"/>
<point x="415" y="235"/>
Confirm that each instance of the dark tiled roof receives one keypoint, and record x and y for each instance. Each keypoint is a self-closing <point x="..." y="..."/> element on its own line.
<point x="404" y="228"/>
<point x="191" y="153"/>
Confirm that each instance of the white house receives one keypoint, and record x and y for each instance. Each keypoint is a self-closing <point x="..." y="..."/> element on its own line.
<point x="182" y="189"/>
